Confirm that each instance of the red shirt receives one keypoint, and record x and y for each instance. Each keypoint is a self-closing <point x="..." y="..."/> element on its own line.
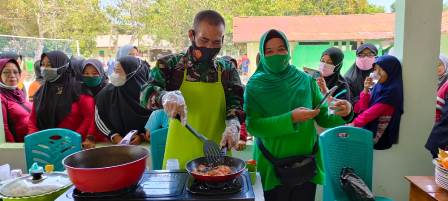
<point x="17" y="115"/>
<point x="441" y="98"/>
<point x="379" y="111"/>
<point x="80" y="119"/>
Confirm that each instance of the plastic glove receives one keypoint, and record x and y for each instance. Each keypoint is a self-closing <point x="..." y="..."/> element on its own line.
<point x="174" y="104"/>
<point x="231" y="134"/>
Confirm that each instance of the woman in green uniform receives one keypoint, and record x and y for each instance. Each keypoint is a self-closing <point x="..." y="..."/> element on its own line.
<point x="279" y="102"/>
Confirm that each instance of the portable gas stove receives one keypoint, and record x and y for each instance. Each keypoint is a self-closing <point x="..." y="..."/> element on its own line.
<point x="171" y="185"/>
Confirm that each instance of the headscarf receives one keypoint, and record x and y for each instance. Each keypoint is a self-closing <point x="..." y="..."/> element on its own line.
<point x="119" y="107"/>
<point x="444" y="77"/>
<point x="37" y="72"/>
<point x="93" y="91"/>
<point x="15" y="95"/>
<point x="265" y="88"/>
<point x="336" y="79"/>
<point x="124" y="51"/>
<point x="53" y="101"/>
<point x="76" y="64"/>
<point x="391" y="93"/>
<point x="355" y="76"/>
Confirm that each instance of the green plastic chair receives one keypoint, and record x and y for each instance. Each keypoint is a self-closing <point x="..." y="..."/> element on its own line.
<point x="51" y="146"/>
<point x="158" y="142"/>
<point x="341" y="147"/>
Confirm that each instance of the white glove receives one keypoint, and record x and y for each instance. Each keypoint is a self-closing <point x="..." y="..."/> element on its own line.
<point x="231" y="134"/>
<point x="174" y="104"/>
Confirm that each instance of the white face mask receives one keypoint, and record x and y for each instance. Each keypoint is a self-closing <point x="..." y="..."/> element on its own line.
<point x="51" y="74"/>
<point x="375" y="77"/>
<point x="117" y="80"/>
<point x="2" y="85"/>
<point x="326" y="69"/>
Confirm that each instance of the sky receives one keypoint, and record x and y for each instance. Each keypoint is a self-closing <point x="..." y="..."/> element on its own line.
<point x="386" y="3"/>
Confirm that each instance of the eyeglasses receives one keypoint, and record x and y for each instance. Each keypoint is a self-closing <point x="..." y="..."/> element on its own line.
<point x="10" y="72"/>
<point x="366" y="55"/>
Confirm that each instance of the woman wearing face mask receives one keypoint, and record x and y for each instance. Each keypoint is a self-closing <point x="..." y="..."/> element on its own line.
<point x="15" y="108"/>
<point x="93" y="80"/>
<point x="118" y="109"/>
<point x="59" y="102"/>
<point x="381" y="108"/>
<point x="330" y="68"/>
<point x="361" y="69"/>
<point x="18" y="58"/>
<point x="279" y="102"/>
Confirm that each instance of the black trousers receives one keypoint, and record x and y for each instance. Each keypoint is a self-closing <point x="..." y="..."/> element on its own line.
<point x="304" y="192"/>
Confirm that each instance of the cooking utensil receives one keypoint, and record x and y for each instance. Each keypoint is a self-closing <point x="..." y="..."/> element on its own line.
<point x="106" y="169"/>
<point x="237" y="165"/>
<point x="36" y="187"/>
<point x="212" y="151"/>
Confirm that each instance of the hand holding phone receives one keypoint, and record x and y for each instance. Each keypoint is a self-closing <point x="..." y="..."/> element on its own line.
<point x="312" y="72"/>
<point x="330" y="93"/>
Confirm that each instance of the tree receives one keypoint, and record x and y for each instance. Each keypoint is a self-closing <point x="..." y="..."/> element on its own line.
<point x="171" y="19"/>
<point x="78" y="20"/>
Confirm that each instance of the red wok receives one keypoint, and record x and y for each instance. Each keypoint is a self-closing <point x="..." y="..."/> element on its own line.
<point x="237" y="165"/>
<point x="106" y="169"/>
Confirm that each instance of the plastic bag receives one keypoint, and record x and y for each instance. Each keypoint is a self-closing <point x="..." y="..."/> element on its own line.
<point x="354" y="186"/>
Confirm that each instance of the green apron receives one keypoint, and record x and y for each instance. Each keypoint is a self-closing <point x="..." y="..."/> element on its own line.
<point x="206" y="105"/>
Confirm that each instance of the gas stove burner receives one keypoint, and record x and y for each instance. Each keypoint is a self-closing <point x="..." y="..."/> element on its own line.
<point x="79" y="194"/>
<point x="171" y="186"/>
<point x="218" y="188"/>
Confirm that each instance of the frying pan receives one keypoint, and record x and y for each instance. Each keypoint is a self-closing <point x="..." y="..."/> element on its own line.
<point x="106" y="169"/>
<point x="237" y="165"/>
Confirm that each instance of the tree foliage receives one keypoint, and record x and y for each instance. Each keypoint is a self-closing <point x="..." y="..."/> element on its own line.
<point x="164" y="19"/>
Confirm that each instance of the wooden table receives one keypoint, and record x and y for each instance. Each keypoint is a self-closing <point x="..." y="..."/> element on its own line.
<point x="424" y="188"/>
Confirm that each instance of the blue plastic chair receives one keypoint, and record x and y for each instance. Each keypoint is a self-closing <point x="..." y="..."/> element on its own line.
<point x="51" y="146"/>
<point x="158" y="142"/>
<point x="346" y="147"/>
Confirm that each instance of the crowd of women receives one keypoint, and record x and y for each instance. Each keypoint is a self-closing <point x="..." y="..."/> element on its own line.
<point x="279" y="105"/>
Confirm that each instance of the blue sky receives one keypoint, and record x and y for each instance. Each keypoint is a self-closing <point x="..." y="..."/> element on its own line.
<point x="387" y="3"/>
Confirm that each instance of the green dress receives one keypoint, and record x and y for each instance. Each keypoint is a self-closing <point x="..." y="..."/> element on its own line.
<point x="269" y="99"/>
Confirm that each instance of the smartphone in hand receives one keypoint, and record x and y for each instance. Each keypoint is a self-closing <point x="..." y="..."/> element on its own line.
<point x="312" y="72"/>
<point x="329" y="93"/>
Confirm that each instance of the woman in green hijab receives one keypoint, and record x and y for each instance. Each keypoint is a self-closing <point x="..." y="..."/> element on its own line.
<point x="279" y="102"/>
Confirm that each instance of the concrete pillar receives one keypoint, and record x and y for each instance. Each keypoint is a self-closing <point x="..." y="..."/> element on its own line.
<point x="417" y="43"/>
<point x="252" y="51"/>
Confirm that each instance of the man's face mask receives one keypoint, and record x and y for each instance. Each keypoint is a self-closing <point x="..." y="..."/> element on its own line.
<point x="203" y="54"/>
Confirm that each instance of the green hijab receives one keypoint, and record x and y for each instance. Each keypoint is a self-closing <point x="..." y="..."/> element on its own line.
<point x="273" y="93"/>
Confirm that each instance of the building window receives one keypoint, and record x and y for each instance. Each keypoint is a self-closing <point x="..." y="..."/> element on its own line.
<point x="354" y="45"/>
